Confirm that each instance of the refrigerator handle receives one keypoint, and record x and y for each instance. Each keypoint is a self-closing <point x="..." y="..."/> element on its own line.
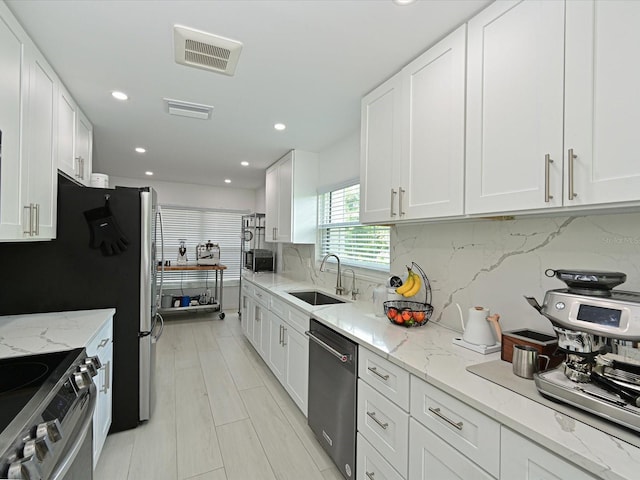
<point x="159" y="213"/>
<point x="157" y="337"/>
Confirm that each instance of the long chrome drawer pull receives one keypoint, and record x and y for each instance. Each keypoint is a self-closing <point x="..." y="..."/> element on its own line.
<point x="370" y="474"/>
<point x="393" y="194"/>
<point x="547" y="166"/>
<point x="375" y="370"/>
<point x="343" y="357"/>
<point x="570" y="158"/>
<point x="436" y="411"/>
<point x="401" y="192"/>
<point x="373" y="417"/>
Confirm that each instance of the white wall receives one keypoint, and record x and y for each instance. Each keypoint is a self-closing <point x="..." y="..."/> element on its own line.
<point x="340" y="162"/>
<point x="191" y="195"/>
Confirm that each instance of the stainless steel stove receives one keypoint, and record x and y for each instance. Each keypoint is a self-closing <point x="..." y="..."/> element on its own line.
<point x="46" y="410"/>
<point x="598" y="330"/>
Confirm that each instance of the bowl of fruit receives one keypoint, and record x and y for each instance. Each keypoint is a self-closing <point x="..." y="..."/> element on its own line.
<point x="408" y="313"/>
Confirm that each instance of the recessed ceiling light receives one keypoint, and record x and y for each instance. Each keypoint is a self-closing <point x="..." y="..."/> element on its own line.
<point x="244" y="164"/>
<point x="279" y="126"/>
<point x="403" y="2"/>
<point x="119" y="95"/>
<point x="148" y="173"/>
<point x="141" y="150"/>
<point x="227" y="180"/>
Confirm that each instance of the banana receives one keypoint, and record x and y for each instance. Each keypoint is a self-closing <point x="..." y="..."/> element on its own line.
<point x="408" y="285"/>
<point x="417" y="283"/>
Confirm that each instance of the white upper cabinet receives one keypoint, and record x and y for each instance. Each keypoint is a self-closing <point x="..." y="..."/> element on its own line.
<point x="10" y="126"/>
<point x="84" y="147"/>
<point x="412" y="139"/>
<point x="602" y="102"/>
<point x="514" y="106"/>
<point x="290" y="198"/>
<point x="75" y="140"/>
<point x="552" y="109"/>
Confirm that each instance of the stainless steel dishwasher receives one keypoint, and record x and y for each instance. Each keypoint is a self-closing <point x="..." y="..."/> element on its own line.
<point x="333" y="372"/>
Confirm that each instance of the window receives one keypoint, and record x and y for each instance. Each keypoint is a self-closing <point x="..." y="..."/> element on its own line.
<point x="340" y="232"/>
<point x="197" y="226"/>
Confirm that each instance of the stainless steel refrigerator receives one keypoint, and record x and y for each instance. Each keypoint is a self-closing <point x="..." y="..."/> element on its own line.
<point x="68" y="273"/>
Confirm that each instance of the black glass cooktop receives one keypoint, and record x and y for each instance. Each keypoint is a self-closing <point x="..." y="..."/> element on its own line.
<point x="22" y="377"/>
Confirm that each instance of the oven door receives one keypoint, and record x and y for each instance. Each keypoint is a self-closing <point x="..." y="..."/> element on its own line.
<point x="76" y="462"/>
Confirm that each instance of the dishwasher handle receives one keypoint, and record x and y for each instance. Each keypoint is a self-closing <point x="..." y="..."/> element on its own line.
<point x="343" y="357"/>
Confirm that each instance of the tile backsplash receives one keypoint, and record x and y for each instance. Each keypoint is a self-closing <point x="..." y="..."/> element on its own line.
<point x="495" y="263"/>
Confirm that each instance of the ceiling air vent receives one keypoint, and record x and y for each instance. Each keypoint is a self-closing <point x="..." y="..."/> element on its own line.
<point x="205" y="50"/>
<point x="188" y="109"/>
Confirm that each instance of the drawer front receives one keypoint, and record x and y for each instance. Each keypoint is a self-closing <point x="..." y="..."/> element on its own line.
<point x="431" y="458"/>
<point x="386" y="377"/>
<point x="102" y="340"/>
<point x="262" y="297"/>
<point x="278" y="307"/>
<point x="384" y="425"/>
<point x="465" y="428"/>
<point x="298" y="319"/>
<point x="370" y="465"/>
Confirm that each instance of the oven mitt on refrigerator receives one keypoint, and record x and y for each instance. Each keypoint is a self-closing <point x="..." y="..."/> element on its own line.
<point x="104" y="231"/>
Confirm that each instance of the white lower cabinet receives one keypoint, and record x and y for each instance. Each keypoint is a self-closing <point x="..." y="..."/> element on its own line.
<point x="296" y="381"/>
<point x="371" y="465"/>
<point x="102" y="346"/>
<point x="277" y="354"/>
<point x="521" y="458"/>
<point x="430" y="458"/>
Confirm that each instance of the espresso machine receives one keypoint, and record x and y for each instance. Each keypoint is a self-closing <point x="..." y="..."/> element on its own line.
<point x="598" y="332"/>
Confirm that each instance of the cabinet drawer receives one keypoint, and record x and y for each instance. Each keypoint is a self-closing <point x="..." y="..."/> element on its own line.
<point x="389" y="379"/>
<point x="431" y="458"/>
<point x="298" y="319"/>
<point x="370" y="465"/>
<point x="278" y="307"/>
<point x="261" y="296"/>
<point x="463" y="427"/>
<point x="384" y="425"/>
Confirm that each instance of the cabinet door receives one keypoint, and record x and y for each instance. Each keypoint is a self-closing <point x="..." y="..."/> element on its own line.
<point x="10" y="120"/>
<point x="84" y="145"/>
<point x="297" y="367"/>
<point x="277" y="352"/>
<point x="433" y="155"/>
<point x="522" y="459"/>
<point x="66" y="133"/>
<point x="285" y="199"/>
<point x="102" y="346"/>
<point x="246" y="306"/>
<point x="271" y="203"/>
<point x="514" y="106"/>
<point x="380" y="155"/>
<point x="259" y="314"/>
<point x="430" y="458"/>
<point x="602" y="102"/>
<point x="39" y="145"/>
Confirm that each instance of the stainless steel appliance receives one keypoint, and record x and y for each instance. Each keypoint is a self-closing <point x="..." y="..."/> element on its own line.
<point x="79" y="277"/>
<point x="333" y="372"/>
<point x="208" y="253"/>
<point x="598" y="330"/>
<point x="46" y="409"/>
<point x="254" y="254"/>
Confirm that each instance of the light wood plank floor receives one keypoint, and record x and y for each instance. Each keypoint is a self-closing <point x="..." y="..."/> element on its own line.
<point x="220" y="415"/>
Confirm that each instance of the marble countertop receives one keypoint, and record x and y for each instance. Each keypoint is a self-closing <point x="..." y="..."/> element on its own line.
<point x="49" y="332"/>
<point x="428" y="353"/>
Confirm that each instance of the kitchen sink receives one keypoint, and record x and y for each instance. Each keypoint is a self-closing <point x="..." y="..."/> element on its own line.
<point x="313" y="297"/>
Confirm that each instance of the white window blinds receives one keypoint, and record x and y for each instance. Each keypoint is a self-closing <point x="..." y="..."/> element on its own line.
<point x="198" y="226"/>
<point x="340" y="231"/>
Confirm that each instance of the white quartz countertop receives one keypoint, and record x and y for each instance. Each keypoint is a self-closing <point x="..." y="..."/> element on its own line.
<point x="49" y="332"/>
<point x="428" y="353"/>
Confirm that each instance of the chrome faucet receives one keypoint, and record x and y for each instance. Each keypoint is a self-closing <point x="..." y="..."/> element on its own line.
<point x="354" y="291"/>
<point x="339" y="288"/>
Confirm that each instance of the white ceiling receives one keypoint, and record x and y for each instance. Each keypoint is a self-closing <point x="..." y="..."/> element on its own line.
<point x="305" y="63"/>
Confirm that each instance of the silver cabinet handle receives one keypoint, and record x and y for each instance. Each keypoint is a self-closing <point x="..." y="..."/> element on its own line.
<point x="284" y="331"/>
<point x="281" y="334"/>
<point x="570" y="158"/>
<point x="436" y="411"/>
<point x="107" y="374"/>
<point x="36" y="230"/>
<point x="373" y="417"/>
<point x="370" y="475"/>
<point x="29" y="224"/>
<point x="78" y="167"/>
<point x="393" y="194"/>
<point x="343" y="357"/>
<point x="547" y="167"/>
<point x="103" y="342"/>
<point x="375" y="371"/>
<point x="401" y="192"/>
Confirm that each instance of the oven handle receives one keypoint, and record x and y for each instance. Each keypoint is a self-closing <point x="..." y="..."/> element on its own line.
<point x="65" y="464"/>
<point x="343" y="357"/>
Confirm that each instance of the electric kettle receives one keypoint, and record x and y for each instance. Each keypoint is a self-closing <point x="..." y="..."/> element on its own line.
<point x="481" y="327"/>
